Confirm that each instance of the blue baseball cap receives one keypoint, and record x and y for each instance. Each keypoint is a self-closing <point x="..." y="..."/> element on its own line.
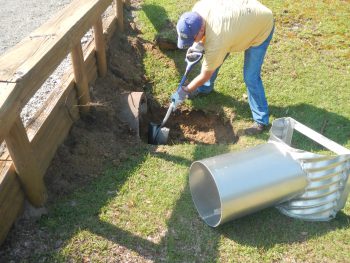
<point x="187" y="28"/>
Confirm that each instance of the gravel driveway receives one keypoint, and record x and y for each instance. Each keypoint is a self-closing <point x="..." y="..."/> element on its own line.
<point x="18" y="18"/>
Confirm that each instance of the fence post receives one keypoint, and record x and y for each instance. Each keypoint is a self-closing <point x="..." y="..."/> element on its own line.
<point x="119" y="13"/>
<point x="81" y="78"/>
<point x="26" y="165"/>
<point x="100" y="47"/>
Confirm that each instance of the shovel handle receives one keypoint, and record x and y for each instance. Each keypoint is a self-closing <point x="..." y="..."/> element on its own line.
<point x="167" y="115"/>
<point x="190" y="64"/>
<point x="184" y="77"/>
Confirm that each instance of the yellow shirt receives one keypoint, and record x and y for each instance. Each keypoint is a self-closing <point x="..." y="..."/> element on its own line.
<point x="232" y="26"/>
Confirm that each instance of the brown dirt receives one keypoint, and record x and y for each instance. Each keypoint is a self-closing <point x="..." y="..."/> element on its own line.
<point x="194" y="127"/>
<point x="100" y="138"/>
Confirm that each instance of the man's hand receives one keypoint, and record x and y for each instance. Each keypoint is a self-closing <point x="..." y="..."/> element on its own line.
<point x="179" y="96"/>
<point x="195" y="51"/>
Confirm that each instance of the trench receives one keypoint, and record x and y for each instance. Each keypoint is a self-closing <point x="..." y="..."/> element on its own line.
<point x="189" y="126"/>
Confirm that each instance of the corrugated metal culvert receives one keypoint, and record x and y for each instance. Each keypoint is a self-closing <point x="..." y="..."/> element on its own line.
<point x="299" y="183"/>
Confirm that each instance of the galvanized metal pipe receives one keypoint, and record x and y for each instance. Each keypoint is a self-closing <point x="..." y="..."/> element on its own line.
<point x="232" y="185"/>
<point x="301" y="184"/>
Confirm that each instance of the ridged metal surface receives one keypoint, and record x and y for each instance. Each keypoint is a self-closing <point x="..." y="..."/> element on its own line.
<point x="299" y="183"/>
<point x="328" y="176"/>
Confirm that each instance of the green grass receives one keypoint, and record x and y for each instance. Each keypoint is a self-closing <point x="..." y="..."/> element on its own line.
<point x="143" y="209"/>
<point x="306" y="71"/>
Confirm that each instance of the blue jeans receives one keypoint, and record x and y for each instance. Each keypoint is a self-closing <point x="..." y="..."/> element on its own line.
<point x="208" y="86"/>
<point x="253" y="60"/>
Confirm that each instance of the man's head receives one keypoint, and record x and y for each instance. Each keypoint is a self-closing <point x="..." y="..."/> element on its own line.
<point x="188" y="27"/>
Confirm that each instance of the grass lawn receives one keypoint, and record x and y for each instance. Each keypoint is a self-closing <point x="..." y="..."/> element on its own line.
<point x="143" y="211"/>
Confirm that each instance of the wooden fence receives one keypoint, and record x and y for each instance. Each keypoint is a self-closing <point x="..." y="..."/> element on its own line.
<point x="23" y="69"/>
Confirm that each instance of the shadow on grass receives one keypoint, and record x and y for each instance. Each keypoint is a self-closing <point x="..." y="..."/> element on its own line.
<point x="187" y="237"/>
<point x="268" y="227"/>
<point x="158" y="16"/>
<point x="331" y="125"/>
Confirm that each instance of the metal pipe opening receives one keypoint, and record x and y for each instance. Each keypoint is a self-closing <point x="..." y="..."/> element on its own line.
<point x="205" y="194"/>
<point x="232" y="185"/>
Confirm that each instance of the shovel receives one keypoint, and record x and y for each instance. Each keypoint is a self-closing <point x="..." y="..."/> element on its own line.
<point x="157" y="133"/>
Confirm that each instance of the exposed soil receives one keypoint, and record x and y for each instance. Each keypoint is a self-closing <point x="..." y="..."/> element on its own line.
<point x="101" y="138"/>
<point x="194" y="127"/>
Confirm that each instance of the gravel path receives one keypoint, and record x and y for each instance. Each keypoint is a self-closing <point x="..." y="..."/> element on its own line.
<point x="18" y="18"/>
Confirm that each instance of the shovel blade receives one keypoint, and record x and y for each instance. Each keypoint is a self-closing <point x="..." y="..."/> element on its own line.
<point x="157" y="135"/>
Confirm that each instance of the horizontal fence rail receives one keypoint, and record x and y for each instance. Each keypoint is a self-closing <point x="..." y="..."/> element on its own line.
<point x="23" y="69"/>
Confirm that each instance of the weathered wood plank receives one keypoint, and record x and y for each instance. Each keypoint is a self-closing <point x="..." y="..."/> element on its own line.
<point x="46" y="141"/>
<point x="109" y="25"/>
<point x="29" y="63"/>
<point x="100" y="47"/>
<point x="90" y="59"/>
<point x="26" y="165"/>
<point x="52" y="133"/>
<point x="14" y="107"/>
<point x="11" y="200"/>
<point x="8" y="175"/>
<point x="120" y="14"/>
<point x="81" y="78"/>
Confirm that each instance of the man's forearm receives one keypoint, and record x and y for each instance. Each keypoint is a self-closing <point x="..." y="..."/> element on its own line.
<point x="199" y="80"/>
